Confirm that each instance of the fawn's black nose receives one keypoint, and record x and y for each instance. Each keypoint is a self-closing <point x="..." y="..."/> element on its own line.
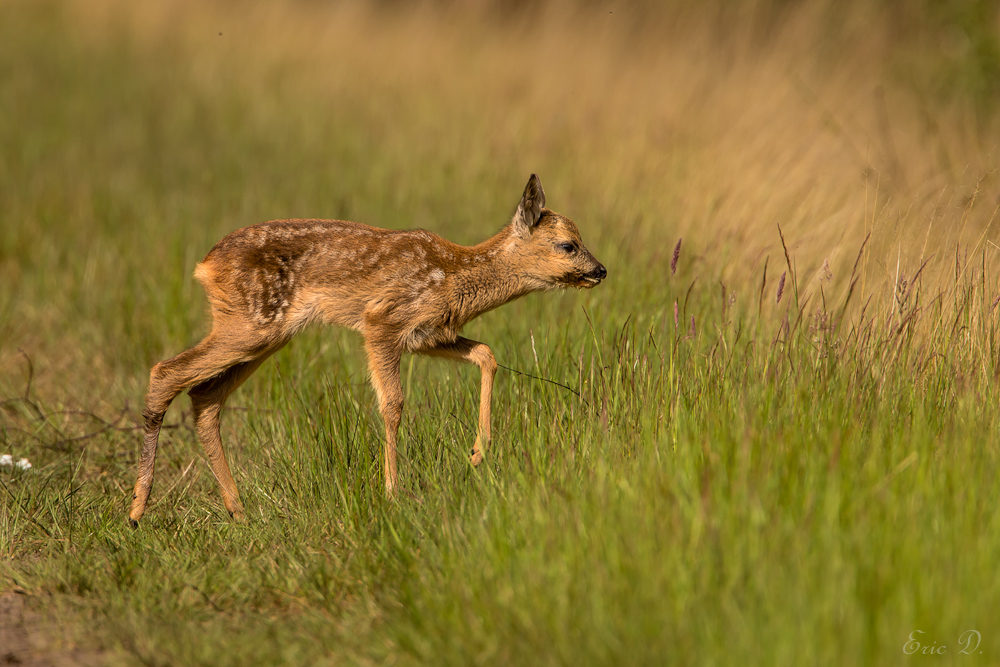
<point x="600" y="272"/>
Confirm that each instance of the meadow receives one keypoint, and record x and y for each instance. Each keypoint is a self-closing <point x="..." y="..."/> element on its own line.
<point x="769" y="437"/>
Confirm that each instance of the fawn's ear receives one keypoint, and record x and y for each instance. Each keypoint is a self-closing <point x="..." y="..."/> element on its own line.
<point x="529" y="211"/>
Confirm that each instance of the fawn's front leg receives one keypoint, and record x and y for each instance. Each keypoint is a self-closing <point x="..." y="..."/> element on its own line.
<point x="383" y="364"/>
<point x="474" y="352"/>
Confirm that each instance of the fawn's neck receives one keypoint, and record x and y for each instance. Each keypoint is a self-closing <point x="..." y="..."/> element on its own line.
<point x="491" y="276"/>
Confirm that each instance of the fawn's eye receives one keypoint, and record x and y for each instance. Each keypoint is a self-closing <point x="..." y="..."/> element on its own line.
<point x="566" y="247"/>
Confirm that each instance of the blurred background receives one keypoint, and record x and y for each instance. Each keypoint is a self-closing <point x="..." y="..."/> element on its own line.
<point x="134" y="135"/>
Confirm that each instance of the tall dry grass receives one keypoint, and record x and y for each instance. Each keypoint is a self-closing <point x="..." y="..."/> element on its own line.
<point x="717" y="124"/>
<point x="852" y="126"/>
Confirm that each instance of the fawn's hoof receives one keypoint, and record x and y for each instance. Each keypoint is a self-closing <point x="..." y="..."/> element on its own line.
<point x="476" y="458"/>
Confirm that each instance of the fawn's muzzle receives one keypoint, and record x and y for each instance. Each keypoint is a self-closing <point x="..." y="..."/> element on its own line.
<point x="596" y="276"/>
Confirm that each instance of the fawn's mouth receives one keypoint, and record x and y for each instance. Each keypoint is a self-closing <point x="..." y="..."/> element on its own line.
<point x="583" y="280"/>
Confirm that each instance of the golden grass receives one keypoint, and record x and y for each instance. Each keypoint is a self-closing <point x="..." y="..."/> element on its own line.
<point x="715" y="125"/>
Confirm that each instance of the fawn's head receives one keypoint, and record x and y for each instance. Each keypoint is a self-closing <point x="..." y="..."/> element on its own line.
<point x="548" y="245"/>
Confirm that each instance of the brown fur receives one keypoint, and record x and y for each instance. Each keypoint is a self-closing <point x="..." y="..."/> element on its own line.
<point x="404" y="291"/>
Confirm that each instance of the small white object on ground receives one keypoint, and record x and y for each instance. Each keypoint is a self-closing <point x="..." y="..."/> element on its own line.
<point x="6" y="460"/>
<point x="24" y="464"/>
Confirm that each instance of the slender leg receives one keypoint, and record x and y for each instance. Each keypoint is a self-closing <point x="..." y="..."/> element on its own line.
<point x="166" y="380"/>
<point x="383" y="364"/>
<point x="477" y="353"/>
<point x="207" y="360"/>
<point x="207" y="400"/>
<point x="153" y="417"/>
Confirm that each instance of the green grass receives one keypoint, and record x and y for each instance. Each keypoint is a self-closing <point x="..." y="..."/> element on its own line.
<point x="803" y="481"/>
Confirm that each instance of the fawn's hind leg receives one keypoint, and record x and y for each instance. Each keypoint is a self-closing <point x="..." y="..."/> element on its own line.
<point x="204" y="364"/>
<point x="207" y="400"/>
<point x="474" y="352"/>
<point x="166" y="380"/>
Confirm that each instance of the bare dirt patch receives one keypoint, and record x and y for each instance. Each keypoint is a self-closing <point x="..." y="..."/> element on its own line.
<point x="28" y="639"/>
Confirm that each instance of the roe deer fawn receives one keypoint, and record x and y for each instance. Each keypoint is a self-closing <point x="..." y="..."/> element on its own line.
<point x="404" y="291"/>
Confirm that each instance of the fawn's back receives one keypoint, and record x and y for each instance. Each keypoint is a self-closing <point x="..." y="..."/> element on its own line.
<point x="273" y="278"/>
